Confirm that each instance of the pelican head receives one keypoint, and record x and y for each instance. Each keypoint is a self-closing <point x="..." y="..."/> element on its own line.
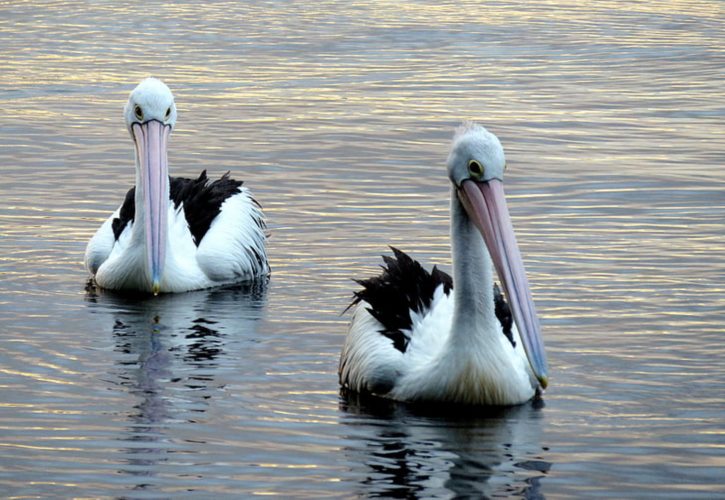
<point x="150" y="115"/>
<point x="476" y="166"/>
<point x="150" y="100"/>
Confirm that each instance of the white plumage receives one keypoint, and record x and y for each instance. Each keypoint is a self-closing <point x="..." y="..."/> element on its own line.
<point x="225" y="255"/>
<point x="436" y="366"/>
<point x="175" y="235"/>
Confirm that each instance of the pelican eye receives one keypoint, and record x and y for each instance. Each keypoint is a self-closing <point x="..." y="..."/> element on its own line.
<point x="475" y="169"/>
<point x="138" y="112"/>
<point x="168" y="113"/>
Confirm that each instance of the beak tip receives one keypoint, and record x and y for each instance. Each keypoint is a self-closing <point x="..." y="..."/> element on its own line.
<point x="543" y="381"/>
<point x="156" y="288"/>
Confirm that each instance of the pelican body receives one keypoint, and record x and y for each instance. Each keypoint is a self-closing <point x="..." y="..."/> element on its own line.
<point x="174" y="234"/>
<point x="420" y="336"/>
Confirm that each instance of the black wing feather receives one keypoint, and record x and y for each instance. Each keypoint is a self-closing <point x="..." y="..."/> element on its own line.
<point x="503" y="313"/>
<point x="202" y="202"/>
<point x="128" y="210"/>
<point x="405" y="286"/>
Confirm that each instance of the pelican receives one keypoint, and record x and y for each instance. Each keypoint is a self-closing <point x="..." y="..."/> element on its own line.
<point x="415" y="337"/>
<point x="173" y="234"/>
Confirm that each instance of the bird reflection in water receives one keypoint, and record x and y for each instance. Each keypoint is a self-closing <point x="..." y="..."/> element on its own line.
<point x="423" y="452"/>
<point x="170" y="351"/>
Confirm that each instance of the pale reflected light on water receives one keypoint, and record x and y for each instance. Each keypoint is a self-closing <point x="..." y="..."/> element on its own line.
<point x="338" y="116"/>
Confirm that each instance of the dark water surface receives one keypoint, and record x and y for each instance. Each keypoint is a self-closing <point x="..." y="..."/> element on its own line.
<point x="338" y="115"/>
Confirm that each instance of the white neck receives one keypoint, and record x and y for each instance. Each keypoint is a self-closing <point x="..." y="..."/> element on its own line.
<point x="472" y="281"/>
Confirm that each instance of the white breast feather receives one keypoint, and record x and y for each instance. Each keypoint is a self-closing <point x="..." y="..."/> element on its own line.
<point x="225" y="254"/>
<point x="433" y="368"/>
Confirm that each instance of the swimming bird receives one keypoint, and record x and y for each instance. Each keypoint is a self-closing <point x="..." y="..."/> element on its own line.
<point x="173" y="234"/>
<point x="419" y="336"/>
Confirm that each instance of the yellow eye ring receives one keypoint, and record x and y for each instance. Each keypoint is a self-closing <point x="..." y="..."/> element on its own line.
<point x="138" y="112"/>
<point x="475" y="169"/>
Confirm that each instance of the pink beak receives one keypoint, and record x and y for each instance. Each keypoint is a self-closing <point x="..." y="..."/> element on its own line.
<point x="151" y="139"/>
<point x="485" y="203"/>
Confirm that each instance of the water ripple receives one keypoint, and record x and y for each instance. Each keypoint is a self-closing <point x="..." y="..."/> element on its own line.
<point x="338" y="116"/>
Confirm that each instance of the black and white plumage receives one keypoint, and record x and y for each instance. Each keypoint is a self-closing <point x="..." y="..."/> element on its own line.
<point x="405" y="287"/>
<point x="426" y="337"/>
<point x="174" y="234"/>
